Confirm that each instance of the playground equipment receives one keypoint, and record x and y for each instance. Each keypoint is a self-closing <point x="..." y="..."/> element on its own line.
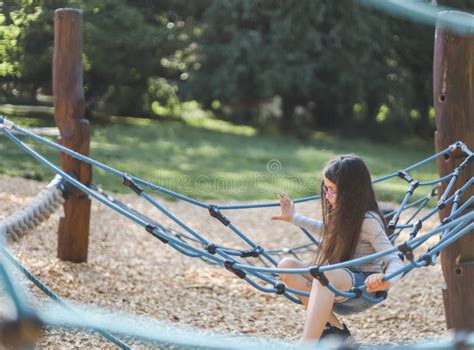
<point x="73" y="232"/>
<point x="453" y="96"/>
<point x="193" y="244"/>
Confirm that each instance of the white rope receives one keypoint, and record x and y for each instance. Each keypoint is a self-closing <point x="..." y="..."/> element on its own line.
<point x="33" y="214"/>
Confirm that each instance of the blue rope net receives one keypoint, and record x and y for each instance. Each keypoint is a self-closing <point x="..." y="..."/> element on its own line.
<point x="255" y="265"/>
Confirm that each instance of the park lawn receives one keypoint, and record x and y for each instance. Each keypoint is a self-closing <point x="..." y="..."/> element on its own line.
<point x="209" y="159"/>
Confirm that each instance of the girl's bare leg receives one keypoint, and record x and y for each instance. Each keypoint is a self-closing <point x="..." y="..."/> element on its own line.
<point x="303" y="283"/>
<point x="321" y="301"/>
<point x="334" y="321"/>
<point x="299" y="282"/>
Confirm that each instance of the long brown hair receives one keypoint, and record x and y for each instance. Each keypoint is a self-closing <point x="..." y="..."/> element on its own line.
<point x="343" y="222"/>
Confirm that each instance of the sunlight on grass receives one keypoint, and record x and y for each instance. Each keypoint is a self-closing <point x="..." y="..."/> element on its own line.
<point x="19" y="110"/>
<point x="198" y="118"/>
<point x="394" y="190"/>
<point x="214" y="160"/>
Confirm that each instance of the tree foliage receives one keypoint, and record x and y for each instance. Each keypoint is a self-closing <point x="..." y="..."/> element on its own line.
<point x="294" y="66"/>
<point x="335" y="60"/>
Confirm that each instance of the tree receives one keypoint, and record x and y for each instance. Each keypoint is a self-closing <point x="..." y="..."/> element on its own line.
<point x="127" y="44"/>
<point x="304" y="51"/>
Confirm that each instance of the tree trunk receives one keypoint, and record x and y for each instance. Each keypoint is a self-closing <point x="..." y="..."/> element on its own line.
<point x="287" y="123"/>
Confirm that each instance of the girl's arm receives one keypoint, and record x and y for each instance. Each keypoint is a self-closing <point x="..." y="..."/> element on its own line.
<point x="379" y="240"/>
<point x="312" y="225"/>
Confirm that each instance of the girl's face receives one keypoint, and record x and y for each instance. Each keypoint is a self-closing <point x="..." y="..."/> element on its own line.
<point x="330" y="191"/>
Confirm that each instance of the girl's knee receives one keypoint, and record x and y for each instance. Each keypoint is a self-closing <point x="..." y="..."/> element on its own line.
<point x="288" y="263"/>
<point x="339" y="278"/>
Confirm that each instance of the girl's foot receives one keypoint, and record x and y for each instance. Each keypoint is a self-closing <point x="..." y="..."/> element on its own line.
<point x="335" y="331"/>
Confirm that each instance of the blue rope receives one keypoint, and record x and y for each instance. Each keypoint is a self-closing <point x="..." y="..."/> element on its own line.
<point x="139" y="328"/>
<point x="170" y="336"/>
<point x="423" y="12"/>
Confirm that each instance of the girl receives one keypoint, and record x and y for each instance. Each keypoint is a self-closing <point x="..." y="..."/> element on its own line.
<point x="352" y="227"/>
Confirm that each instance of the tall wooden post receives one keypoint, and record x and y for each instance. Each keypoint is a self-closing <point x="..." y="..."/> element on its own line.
<point x="453" y="92"/>
<point x="73" y="234"/>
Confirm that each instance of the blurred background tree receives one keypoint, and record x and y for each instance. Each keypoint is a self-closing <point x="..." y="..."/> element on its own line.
<point x="291" y="67"/>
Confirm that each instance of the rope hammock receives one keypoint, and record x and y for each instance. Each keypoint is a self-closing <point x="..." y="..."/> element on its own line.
<point x="264" y="275"/>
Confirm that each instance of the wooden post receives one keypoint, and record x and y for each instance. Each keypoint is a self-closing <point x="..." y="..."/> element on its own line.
<point x="73" y="233"/>
<point x="453" y="93"/>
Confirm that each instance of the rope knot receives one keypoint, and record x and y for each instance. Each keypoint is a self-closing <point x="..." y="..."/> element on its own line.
<point x="381" y="294"/>
<point x="229" y="265"/>
<point x="320" y="276"/>
<point x="426" y="258"/>
<point x="151" y="229"/>
<point x="357" y="291"/>
<point x="211" y="248"/>
<point x="254" y="253"/>
<point x="280" y="288"/>
<point x="216" y="213"/>
<point x="406" y="250"/>
<point x="130" y="183"/>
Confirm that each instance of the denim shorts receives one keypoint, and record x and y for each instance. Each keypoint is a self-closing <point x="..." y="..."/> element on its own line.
<point x="349" y="306"/>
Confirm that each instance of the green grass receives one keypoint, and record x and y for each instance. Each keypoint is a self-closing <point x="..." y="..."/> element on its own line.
<point x="35" y="114"/>
<point x="209" y="159"/>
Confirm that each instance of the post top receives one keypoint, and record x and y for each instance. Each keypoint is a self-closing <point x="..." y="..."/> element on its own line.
<point x="455" y="14"/>
<point x="67" y="9"/>
<point x="458" y="21"/>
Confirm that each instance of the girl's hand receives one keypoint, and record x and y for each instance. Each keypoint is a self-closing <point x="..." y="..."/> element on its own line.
<point x="287" y="208"/>
<point x="374" y="282"/>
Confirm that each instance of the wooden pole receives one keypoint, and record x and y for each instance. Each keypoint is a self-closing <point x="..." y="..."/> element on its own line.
<point x="73" y="233"/>
<point x="453" y="93"/>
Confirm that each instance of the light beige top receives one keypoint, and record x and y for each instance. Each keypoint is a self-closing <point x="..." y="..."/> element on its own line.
<point x="372" y="239"/>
